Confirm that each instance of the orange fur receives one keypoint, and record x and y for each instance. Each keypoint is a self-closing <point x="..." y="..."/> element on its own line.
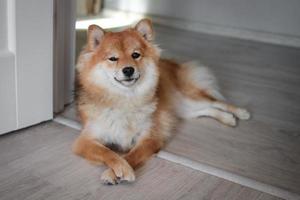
<point x="97" y="153"/>
<point x="139" y="114"/>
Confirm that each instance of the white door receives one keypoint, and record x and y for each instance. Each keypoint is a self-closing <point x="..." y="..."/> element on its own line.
<point x="26" y="32"/>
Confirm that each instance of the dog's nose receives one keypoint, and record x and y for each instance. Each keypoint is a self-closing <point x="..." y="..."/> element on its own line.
<point x="128" y="71"/>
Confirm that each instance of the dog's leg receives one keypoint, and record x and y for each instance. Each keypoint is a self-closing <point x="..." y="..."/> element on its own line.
<point x="224" y="117"/>
<point x="207" y="106"/>
<point x="143" y="151"/>
<point x="150" y="143"/>
<point x="135" y="157"/>
<point x="94" y="151"/>
<point x="238" y="112"/>
<point x="196" y="82"/>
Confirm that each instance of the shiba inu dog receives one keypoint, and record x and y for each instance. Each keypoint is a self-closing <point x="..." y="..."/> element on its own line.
<point x="130" y="98"/>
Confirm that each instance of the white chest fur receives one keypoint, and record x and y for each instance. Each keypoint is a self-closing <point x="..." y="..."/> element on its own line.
<point x="123" y="127"/>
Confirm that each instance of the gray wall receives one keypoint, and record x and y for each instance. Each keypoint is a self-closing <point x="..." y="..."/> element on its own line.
<point x="274" y="16"/>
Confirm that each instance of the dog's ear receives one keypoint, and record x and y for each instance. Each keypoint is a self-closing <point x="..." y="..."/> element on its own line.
<point x="94" y="36"/>
<point x="144" y="27"/>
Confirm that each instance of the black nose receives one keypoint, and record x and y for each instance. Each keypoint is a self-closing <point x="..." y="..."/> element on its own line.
<point x="128" y="71"/>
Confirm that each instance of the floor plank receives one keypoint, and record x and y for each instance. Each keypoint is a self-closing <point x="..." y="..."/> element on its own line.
<point x="265" y="79"/>
<point x="260" y="77"/>
<point x="37" y="163"/>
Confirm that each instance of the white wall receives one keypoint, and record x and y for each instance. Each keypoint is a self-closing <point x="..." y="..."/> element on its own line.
<point x="272" y="16"/>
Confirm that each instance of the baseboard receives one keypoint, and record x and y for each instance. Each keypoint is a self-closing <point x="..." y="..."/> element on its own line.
<point x="208" y="28"/>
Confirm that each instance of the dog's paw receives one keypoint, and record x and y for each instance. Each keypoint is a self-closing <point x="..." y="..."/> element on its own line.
<point x="242" y="114"/>
<point x="229" y="119"/>
<point x="108" y="177"/>
<point x="123" y="171"/>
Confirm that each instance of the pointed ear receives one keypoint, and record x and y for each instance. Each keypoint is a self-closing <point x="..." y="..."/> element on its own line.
<point x="144" y="27"/>
<point x="94" y="37"/>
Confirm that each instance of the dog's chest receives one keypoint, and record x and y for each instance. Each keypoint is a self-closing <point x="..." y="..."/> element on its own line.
<point x="122" y="127"/>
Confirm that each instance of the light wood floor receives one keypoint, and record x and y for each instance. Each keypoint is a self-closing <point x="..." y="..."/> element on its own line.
<point x="37" y="163"/>
<point x="261" y="77"/>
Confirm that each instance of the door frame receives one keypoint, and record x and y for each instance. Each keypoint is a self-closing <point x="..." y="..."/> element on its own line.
<point x="63" y="53"/>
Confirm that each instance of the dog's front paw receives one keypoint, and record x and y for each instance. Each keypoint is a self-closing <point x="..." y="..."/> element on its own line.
<point x="108" y="177"/>
<point x="123" y="171"/>
<point x="242" y="114"/>
<point x="229" y="119"/>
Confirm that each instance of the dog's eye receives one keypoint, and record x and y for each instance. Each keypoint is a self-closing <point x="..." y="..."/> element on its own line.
<point x="113" y="58"/>
<point x="135" y="55"/>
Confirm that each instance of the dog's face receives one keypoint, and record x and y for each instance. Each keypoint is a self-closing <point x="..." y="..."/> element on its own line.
<point x="123" y="62"/>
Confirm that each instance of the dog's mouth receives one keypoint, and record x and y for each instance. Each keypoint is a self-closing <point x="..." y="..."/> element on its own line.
<point x="127" y="81"/>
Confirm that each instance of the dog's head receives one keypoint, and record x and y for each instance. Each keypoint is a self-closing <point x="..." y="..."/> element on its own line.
<point x="123" y="62"/>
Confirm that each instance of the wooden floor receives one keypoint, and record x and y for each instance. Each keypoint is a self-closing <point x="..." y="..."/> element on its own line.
<point x="261" y="77"/>
<point x="36" y="163"/>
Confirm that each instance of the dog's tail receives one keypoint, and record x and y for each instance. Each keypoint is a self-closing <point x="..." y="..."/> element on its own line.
<point x="202" y="77"/>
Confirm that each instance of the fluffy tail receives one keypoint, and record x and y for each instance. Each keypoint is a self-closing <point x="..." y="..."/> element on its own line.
<point x="203" y="78"/>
